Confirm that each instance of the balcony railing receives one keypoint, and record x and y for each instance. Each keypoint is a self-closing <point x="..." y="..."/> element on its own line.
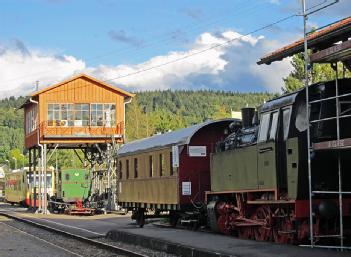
<point x="61" y="130"/>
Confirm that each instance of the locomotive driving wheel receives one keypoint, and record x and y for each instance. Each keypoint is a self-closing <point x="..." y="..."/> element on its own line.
<point x="222" y="223"/>
<point x="246" y="232"/>
<point x="263" y="215"/>
<point x="283" y="232"/>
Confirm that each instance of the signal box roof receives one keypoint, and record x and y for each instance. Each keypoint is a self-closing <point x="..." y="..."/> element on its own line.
<point x="86" y="77"/>
<point x="177" y="137"/>
<point x="320" y="39"/>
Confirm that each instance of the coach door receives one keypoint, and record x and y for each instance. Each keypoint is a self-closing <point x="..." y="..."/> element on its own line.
<point x="266" y="150"/>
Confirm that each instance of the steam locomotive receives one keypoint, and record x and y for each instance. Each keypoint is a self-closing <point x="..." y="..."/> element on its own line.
<point x="247" y="178"/>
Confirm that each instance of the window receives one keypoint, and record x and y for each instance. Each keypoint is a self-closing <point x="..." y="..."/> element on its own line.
<point x="286" y="122"/>
<point x="120" y="170"/>
<point x="162" y="164"/>
<point x="103" y="115"/>
<point x="81" y="112"/>
<point x="96" y="115"/>
<point x="135" y="167"/>
<point x="31" y="120"/>
<point x="86" y="177"/>
<point x="127" y="169"/>
<point x="70" y="115"/>
<point x="63" y="115"/>
<point x="66" y="176"/>
<point x="264" y="126"/>
<point x="170" y="163"/>
<point x="81" y="115"/>
<point x="274" y="125"/>
<point x="151" y="166"/>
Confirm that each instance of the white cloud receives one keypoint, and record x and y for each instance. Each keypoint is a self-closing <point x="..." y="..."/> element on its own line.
<point x="21" y="67"/>
<point x="229" y="67"/>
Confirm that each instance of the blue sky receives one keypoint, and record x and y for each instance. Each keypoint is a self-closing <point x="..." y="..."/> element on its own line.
<point x="110" y="38"/>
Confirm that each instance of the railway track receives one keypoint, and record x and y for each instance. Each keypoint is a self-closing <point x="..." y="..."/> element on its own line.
<point x="91" y="242"/>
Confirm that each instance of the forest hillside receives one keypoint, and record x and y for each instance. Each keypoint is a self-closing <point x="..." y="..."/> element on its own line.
<point x="149" y="113"/>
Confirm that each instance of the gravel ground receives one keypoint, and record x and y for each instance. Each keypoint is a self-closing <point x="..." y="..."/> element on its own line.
<point x="75" y="246"/>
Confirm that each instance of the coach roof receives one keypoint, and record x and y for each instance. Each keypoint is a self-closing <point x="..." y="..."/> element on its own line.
<point x="177" y="137"/>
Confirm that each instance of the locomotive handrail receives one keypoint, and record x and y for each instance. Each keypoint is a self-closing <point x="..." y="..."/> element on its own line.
<point x="264" y="150"/>
<point x="331" y="192"/>
<point x="330" y="118"/>
<point x="329" y="98"/>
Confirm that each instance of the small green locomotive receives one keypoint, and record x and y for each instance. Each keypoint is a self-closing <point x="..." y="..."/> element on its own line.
<point x="73" y="185"/>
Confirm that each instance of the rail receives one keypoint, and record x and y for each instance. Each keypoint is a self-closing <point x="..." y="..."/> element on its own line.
<point x="116" y="249"/>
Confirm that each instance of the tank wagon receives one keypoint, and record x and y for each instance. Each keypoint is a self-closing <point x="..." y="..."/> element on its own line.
<point x="169" y="172"/>
<point x="259" y="174"/>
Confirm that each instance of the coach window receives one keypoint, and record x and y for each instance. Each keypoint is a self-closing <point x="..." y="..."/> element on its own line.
<point x="170" y="164"/>
<point x="264" y="126"/>
<point x="274" y="125"/>
<point x="151" y="167"/>
<point x="162" y="164"/>
<point x="67" y="176"/>
<point x="135" y="167"/>
<point x="120" y="170"/>
<point x="127" y="169"/>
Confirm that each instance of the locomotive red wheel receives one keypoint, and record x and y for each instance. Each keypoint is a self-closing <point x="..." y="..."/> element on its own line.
<point x="283" y="233"/>
<point x="222" y="225"/>
<point x="246" y="233"/>
<point x="264" y="231"/>
<point x="284" y="229"/>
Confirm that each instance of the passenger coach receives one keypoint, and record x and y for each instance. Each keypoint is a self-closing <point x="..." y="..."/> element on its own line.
<point x="169" y="172"/>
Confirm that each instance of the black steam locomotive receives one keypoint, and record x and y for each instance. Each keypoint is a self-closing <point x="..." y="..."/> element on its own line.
<point x="259" y="173"/>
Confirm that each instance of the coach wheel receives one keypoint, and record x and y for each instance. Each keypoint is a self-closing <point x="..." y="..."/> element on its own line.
<point x="140" y="219"/>
<point x="173" y="219"/>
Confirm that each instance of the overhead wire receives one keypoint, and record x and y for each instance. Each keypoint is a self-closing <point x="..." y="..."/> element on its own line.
<point x="203" y="50"/>
<point x="217" y="45"/>
<point x="151" y="43"/>
<point x="206" y="49"/>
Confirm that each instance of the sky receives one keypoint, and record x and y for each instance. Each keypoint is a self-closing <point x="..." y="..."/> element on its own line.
<point x="151" y="45"/>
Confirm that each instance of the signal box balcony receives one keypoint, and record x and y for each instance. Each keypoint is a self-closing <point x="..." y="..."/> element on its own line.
<point x="78" y="111"/>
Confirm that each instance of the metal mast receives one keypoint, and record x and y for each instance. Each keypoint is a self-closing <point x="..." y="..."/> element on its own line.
<point x="337" y="117"/>
<point x="305" y="17"/>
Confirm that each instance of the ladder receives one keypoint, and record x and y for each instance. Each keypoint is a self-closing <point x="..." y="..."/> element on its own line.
<point x="334" y="145"/>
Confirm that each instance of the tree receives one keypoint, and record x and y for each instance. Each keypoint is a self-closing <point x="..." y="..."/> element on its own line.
<point x="319" y="72"/>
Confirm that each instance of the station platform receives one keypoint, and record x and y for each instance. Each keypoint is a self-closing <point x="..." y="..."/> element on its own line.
<point x="121" y="227"/>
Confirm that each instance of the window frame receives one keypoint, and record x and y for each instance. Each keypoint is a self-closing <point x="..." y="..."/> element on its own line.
<point x="135" y="162"/>
<point x="274" y="118"/>
<point x="127" y="168"/>
<point x="171" y="172"/>
<point x="267" y="127"/>
<point x="151" y="166"/>
<point x="161" y="164"/>
<point x="120" y="167"/>
<point x="113" y="115"/>
<point x="286" y="129"/>
<point x="58" y="112"/>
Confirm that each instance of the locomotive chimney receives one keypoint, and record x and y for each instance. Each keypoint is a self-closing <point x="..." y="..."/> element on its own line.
<point x="247" y="115"/>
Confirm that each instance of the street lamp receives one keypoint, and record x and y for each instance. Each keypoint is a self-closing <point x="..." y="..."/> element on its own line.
<point x="15" y="162"/>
